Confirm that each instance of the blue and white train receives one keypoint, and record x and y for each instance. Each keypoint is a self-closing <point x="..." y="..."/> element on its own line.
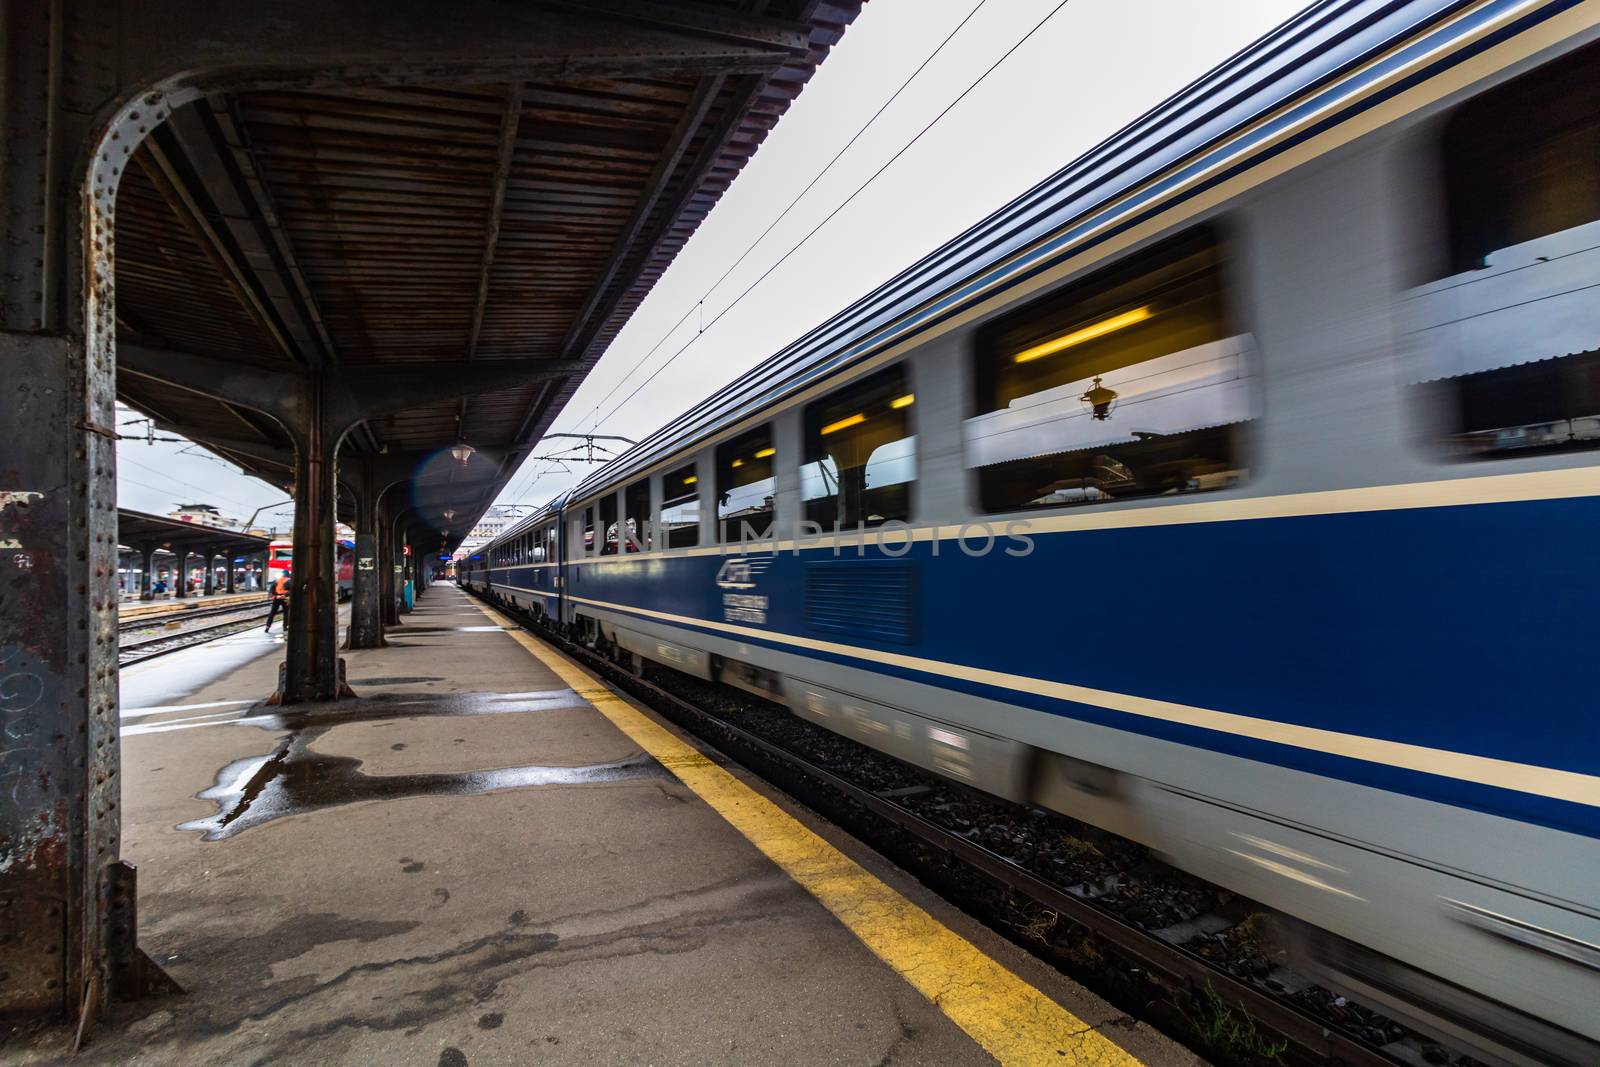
<point x="1235" y="489"/>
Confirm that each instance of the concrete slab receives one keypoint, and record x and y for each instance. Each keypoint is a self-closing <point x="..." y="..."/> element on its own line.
<point x="471" y="865"/>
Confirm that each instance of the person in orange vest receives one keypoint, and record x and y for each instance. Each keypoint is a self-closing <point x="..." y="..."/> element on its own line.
<point x="279" y="600"/>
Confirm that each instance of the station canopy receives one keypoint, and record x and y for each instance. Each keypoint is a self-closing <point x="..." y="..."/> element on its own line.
<point x="137" y="528"/>
<point x="436" y="228"/>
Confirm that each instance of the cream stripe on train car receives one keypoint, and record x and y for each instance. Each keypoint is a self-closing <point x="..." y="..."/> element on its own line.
<point x="1503" y="774"/>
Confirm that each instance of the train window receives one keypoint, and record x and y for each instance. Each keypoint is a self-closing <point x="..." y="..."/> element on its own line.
<point x="608" y="524"/>
<point x="680" y="508"/>
<point x="1508" y="342"/>
<point x="588" y="531"/>
<point x="640" y="523"/>
<point x="860" y="455"/>
<point x="1131" y="384"/>
<point x="745" y="486"/>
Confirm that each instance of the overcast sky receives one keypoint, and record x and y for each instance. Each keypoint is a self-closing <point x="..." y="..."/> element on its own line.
<point x="1095" y="66"/>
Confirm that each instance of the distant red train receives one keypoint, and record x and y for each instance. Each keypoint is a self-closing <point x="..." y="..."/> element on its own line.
<point x="280" y="559"/>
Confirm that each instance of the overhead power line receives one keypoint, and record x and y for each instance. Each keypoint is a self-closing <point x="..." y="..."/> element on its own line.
<point x="699" y="305"/>
<point x="838" y="208"/>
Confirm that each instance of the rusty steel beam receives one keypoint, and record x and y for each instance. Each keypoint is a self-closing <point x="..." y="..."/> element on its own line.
<point x="196" y="214"/>
<point x="219" y="147"/>
<point x="376" y="42"/>
<point x="510" y="123"/>
<point x="354" y="392"/>
<point x="708" y="22"/>
<point x="260" y="227"/>
<point x="231" y="211"/>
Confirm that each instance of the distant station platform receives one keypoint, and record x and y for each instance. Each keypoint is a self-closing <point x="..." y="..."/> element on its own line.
<point x="170" y="608"/>
<point x="492" y="858"/>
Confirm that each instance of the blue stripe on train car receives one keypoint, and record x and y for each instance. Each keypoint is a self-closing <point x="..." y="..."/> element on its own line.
<point x="1467" y="629"/>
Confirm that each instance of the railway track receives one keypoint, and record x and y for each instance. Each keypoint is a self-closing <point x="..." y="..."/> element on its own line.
<point x="185" y="614"/>
<point x="1184" y="955"/>
<point x="234" y="618"/>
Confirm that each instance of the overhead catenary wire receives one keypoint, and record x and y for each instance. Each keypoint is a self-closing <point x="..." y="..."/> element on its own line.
<point x="198" y="492"/>
<point x="699" y="305"/>
<point x="834" y="213"/>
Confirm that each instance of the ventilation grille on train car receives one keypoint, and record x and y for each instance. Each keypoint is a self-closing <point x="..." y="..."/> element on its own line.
<point x="872" y="599"/>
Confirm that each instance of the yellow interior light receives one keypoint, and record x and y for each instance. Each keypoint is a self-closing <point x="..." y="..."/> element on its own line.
<point x="738" y="463"/>
<point x="690" y="480"/>
<point x="844" y="424"/>
<point x="765" y="452"/>
<point x="1087" y="333"/>
<point x="903" y="401"/>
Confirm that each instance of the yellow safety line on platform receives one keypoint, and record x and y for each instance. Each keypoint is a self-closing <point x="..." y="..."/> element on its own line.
<point x="1011" y="1019"/>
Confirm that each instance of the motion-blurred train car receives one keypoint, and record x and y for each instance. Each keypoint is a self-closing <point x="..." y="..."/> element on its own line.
<point x="1235" y="490"/>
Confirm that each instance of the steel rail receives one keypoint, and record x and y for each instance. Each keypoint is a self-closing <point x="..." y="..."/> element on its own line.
<point x="178" y="641"/>
<point x="125" y="625"/>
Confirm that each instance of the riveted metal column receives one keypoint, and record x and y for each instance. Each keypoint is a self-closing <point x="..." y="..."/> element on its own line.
<point x="147" y="566"/>
<point x="398" y="564"/>
<point x="408" y="571"/>
<point x="58" y="526"/>
<point x="366" y="623"/>
<point x="311" y="670"/>
<point x="387" y="586"/>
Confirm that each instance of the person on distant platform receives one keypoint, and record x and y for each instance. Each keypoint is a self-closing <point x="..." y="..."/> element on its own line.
<point x="279" y="599"/>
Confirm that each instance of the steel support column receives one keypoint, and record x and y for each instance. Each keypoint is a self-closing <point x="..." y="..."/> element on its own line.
<point x="58" y="690"/>
<point x="311" y="668"/>
<point x="209" y="586"/>
<point x="147" y="566"/>
<point x="82" y="82"/>
<point x="180" y="580"/>
<point x="59" y="762"/>
<point x="366" y="623"/>
<point x="408" y="569"/>
<point x="229" y="559"/>
<point x="388" y="587"/>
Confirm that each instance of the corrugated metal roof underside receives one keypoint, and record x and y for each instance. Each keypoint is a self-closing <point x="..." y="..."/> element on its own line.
<point x="369" y="215"/>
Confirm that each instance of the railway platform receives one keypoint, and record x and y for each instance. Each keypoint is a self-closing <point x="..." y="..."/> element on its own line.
<point x="491" y="858"/>
<point x="177" y="608"/>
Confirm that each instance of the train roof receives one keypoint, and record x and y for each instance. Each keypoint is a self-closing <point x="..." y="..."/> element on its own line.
<point x="1311" y="62"/>
<point x="527" y="522"/>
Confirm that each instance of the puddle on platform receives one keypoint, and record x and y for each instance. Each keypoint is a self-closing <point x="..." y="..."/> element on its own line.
<point x="294" y="780"/>
<point x="372" y="709"/>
